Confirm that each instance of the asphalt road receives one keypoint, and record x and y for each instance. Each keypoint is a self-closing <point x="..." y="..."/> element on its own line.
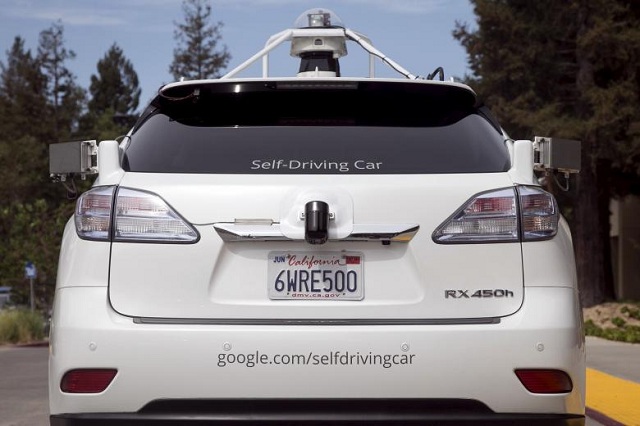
<point x="23" y="386"/>
<point x="616" y="358"/>
<point x="24" y="394"/>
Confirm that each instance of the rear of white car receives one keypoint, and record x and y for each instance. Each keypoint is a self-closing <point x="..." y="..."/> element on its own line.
<point x="316" y="250"/>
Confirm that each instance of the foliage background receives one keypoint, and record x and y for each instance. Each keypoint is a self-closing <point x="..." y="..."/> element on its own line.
<point x="40" y="104"/>
<point x="568" y="69"/>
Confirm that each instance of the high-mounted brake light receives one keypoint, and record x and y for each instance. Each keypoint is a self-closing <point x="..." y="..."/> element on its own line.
<point x="523" y="213"/>
<point x="87" y="380"/>
<point x="137" y="216"/>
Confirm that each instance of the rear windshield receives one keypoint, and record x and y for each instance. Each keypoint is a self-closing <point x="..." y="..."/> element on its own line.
<point x="360" y="129"/>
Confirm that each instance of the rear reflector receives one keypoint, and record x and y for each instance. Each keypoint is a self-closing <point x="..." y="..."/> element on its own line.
<point x="90" y="380"/>
<point x="545" y="381"/>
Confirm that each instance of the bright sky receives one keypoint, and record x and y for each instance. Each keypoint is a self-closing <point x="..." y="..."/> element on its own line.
<point x="416" y="34"/>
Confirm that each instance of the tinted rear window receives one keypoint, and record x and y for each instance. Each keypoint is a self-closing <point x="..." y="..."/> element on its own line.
<point x="367" y="129"/>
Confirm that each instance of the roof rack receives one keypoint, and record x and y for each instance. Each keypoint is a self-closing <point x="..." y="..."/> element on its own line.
<point x="319" y="39"/>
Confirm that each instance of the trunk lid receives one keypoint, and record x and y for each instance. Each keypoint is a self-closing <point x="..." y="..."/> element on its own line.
<point x="218" y="279"/>
<point x="240" y="160"/>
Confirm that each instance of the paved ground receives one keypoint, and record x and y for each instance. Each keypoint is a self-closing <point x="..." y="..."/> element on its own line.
<point x="23" y="386"/>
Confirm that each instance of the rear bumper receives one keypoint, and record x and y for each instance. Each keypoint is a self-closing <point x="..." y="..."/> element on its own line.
<point x="316" y="412"/>
<point x="315" y="363"/>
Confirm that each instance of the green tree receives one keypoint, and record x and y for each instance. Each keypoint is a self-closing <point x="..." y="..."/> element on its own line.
<point x="567" y="69"/>
<point x="116" y="85"/>
<point x="23" y="170"/>
<point x="32" y="231"/>
<point x="65" y="98"/>
<point x="32" y="209"/>
<point x="23" y="104"/>
<point x="197" y="55"/>
<point x="22" y="94"/>
<point x="114" y="93"/>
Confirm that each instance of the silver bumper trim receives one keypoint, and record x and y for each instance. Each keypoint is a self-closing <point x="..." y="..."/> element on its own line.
<point x="242" y="232"/>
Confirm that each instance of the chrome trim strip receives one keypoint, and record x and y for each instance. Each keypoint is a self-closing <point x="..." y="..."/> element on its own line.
<point x="397" y="233"/>
<point x="244" y="231"/>
<point x="314" y="321"/>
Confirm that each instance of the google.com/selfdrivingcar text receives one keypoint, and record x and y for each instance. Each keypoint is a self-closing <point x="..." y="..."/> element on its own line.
<point x="331" y="358"/>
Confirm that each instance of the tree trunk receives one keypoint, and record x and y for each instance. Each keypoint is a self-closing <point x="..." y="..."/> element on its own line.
<point x="591" y="237"/>
<point x="591" y="232"/>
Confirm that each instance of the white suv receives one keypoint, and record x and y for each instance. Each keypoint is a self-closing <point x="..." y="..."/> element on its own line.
<point x="318" y="249"/>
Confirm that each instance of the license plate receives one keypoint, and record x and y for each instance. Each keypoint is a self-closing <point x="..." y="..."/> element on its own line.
<point x="315" y="276"/>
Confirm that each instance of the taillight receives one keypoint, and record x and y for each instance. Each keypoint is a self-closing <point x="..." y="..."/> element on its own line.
<point x="87" y="380"/>
<point x="137" y="216"/>
<point x="539" y="213"/>
<point x="545" y="380"/>
<point x="93" y="213"/>
<point x="504" y="215"/>
<point x="142" y="216"/>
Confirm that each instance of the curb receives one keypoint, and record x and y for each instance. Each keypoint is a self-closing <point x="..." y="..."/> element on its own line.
<point x="611" y="400"/>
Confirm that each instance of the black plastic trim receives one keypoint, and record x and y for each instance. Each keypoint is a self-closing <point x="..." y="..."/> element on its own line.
<point x="316" y="412"/>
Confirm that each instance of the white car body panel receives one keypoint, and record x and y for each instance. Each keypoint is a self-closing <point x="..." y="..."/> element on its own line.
<point x="185" y="357"/>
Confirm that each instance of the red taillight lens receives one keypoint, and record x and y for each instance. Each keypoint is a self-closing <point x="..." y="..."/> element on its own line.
<point x="501" y="206"/>
<point x="545" y="380"/>
<point x="89" y="380"/>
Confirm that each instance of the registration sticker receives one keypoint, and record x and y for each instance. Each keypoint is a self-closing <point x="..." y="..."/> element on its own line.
<point x="315" y="276"/>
